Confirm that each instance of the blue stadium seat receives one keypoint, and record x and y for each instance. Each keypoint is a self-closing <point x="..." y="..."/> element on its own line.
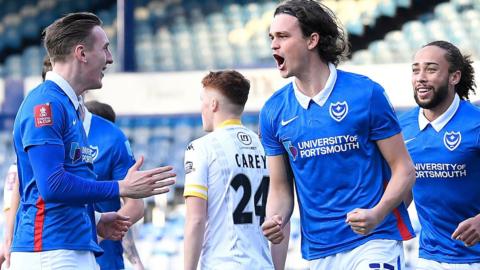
<point x="32" y="61"/>
<point x="29" y="28"/>
<point x="363" y="57"/>
<point x="11" y="35"/>
<point x="13" y="66"/>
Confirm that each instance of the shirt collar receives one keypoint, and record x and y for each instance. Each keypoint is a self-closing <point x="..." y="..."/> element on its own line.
<point x="230" y="122"/>
<point x="321" y="97"/>
<point x="87" y="121"/>
<point x="64" y="85"/>
<point x="442" y="120"/>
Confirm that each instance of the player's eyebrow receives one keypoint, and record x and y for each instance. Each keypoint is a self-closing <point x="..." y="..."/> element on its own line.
<point x="425" y="63"/>
<point x="278" y="33"/>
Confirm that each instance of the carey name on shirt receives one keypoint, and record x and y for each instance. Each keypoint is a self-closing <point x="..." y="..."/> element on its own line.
<point x="251" y="161"/>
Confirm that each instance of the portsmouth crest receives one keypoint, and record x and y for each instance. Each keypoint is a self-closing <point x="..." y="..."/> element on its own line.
<point x="94" y="152"/>
<point x="338" y="110"/>
<point x="452" y="140"/>
<point x="292" y="151"/>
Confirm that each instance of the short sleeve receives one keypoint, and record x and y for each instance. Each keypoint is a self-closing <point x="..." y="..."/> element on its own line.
<point x="383" y="121"/>
<point x="124" y="158"/>
<point x="42" y="123"/>
<point x="270" y="141"/>
<point x="196" y="172"/>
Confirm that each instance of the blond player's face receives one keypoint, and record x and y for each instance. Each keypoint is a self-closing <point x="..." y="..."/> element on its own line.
<point x="207" y="113"/>
<point x="97" y="58"/>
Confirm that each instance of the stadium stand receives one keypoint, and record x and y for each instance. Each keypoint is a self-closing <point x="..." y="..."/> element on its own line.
<point x="181" y="35"/>
<point x="456" y="21"/>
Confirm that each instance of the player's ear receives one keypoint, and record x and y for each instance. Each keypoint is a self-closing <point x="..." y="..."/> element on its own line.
<point x="79" y="53"/>
<point x="214" y="105"/>
<point x="455" y="77"/>
<point x="313" y="40"/>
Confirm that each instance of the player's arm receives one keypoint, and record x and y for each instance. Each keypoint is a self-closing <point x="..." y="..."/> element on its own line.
<point x="130" y="251"/>
<point x="280" y="199"/>
<point x="279" y="251"/>
<point x="196" y="202"/>
<point x="408" y="198"/>
<point x="133" y="208"/>
<point x="195" y="221"/>
<point x="363" y="221"/>
<point x="10" y="214"/>
<point x="55" y="184"/>
<point x="45" y="148"/>
<point x="468" y="231"/>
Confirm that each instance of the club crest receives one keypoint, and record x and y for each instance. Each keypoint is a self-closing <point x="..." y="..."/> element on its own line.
<point x="338" y="110"/>
<point x="94" y="152"/>
<point x="452" y="140"/>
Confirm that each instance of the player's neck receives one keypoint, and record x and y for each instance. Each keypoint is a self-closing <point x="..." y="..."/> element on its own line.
<point x="434" y="113"/>
<point x="225" y="119"/>
<point x="68" y="72"/>
<point x="313" y="78"/>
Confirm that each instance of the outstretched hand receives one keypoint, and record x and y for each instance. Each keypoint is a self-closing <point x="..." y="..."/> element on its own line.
<point x="113" y="226"/>
<point x="140" y="184"/>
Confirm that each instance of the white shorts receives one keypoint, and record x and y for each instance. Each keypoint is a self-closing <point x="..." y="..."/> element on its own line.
<point x="424" y="264"/>
<point x="379" y="254"/>
<point x="53" y="259"/>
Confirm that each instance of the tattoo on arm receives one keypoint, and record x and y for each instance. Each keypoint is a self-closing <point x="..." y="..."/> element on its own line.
<point x="129" y="249"/>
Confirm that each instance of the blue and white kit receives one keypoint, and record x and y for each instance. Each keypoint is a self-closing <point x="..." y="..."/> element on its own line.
<point x="331" y="144"/>
<point x="446" y="154"/>
<point x="112" y="157"/>
<point x="55" y="171"/>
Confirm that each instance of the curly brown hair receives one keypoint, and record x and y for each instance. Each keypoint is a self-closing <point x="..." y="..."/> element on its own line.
<point x="460" y="62"/>
<point x="315" y="17"/>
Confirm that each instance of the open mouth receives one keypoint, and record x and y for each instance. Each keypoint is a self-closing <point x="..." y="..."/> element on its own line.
<point x="280" y="61"/>
<point x="423" y="91"/>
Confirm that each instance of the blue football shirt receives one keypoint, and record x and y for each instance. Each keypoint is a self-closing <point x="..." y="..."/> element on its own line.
<point x="446" y="154"/>
<point x="48" y="116"/>
<point x="112" y="157"/>
<point x="330" y="141"/>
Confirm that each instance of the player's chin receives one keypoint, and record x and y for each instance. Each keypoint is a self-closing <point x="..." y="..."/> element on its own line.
<point x="98" y="84"/>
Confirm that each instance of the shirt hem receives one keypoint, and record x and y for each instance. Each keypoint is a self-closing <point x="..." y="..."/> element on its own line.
<point x="346" y="248"/>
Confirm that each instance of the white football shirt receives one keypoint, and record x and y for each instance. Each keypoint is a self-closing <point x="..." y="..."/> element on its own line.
<point x="228" y="169"/>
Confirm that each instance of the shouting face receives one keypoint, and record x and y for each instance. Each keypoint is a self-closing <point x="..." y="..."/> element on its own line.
<point x="289" y="46"/>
